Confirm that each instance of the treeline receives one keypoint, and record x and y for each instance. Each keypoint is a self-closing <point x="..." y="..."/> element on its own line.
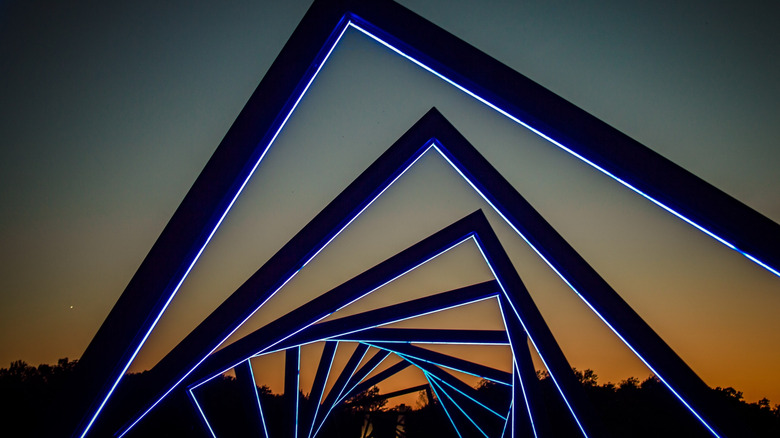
<point x="648" y="409"/>
<point x="32" y="400"/>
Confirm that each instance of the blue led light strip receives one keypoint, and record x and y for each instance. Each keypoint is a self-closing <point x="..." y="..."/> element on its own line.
<point x="319" y="390"/>
<point x="202" y="414"/>
<point x="465" y="414"/>
<point x="516" y="376"/>
<point x="257" y="396"/>
<point x="509" y="419"/>
<point x="441" y="402"/>
<point x="479" y="403"/>
<point x="331" y="400"/>
<point x="405" y="355"/>
<point x="346" y="393"/>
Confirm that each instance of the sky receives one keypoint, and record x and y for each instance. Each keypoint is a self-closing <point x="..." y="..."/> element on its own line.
<point x="108" y="112"/>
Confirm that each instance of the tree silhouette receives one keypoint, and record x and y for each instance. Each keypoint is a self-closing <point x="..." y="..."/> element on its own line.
<point x="33" y="398"/>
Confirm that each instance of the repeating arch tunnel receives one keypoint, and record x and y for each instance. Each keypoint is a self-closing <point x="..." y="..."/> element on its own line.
<point x="197" y="360"/>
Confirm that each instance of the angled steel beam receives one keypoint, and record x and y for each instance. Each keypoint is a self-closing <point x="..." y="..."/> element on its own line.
<point x="445" y="406"/>
<point x="318" y="387"/>
<point x="522" y="306"/>
<point x="488" y="425"/>
<point x="520" y="418"/>
<point x="441" y="359"/>
<point x="393" y="313"/>
<point x="204" y="420"/>
<point x="428" y="336"/>
<point x="605" y="148"/>
<point x="339" y="386"/>
<point x="459" y="386"/>
<point x="360" y="374"/>
<point x="528" y="399"/>
<point x="246" y="381"/>
<point x="292" y="380"/>
<point x="463" y="425"/>
<point x="380" y="376"/>
<point x="401" y="392"/>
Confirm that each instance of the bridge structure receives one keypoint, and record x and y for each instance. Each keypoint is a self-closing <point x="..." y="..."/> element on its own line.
<point x="197" y="360"/>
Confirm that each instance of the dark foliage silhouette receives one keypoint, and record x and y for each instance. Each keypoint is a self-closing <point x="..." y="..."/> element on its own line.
<point x="32" y="401"/>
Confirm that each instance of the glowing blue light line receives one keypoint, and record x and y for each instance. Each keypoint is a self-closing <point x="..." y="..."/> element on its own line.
<point x="659" y="376"/>
<point x="257" y="396"/>
<point x="690" y="408"/>
<point x="473" y="399"/>
<point x="297" y="391"/>
<point x="352" y="373"/>
<point x="371" y="201"/>
<point x="202" y="414"/>
<point x="457" y="406"/>
<point x="413" y="358"/>
<point x="516" y="367"/>
<point x="418" y="315"/>
<point x="395" y="341"/>
<point x="560" y="145"/>
<point x="443" y="406"/>
<point x="338" y="396"/>
<point x="317" y="405"/>
<point x="347" y="393"/>
<point x="512" y="406"/>
<point x="509" y="417"/>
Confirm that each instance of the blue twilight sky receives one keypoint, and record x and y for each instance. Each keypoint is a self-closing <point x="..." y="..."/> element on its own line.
<point x="109" y="111"/>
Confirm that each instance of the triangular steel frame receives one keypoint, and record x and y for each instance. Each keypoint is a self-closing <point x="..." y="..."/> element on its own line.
<point x="201" y="212"/>
<point x="298" y="327"/>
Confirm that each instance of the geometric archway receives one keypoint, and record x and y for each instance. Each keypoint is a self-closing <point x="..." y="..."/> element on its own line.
<point x="193" y="362"/>
<point x="150" y="291"/>
<point x="434" y="132"/>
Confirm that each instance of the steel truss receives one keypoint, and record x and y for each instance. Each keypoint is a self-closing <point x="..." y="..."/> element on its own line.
<point x="171" y="258"/>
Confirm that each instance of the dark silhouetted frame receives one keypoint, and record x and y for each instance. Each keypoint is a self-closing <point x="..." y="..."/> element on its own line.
<point x="216" y="189"/>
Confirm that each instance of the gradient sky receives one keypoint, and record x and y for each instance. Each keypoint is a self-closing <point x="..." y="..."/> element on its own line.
<point x="109" y="112"/>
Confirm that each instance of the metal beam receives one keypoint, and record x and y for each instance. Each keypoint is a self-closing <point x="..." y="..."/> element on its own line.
<point x="318" y="387"/>
<point x="446" y="361"/>
<point x="428" y="336"/>
<point x="292" y="380"/>
<point x="531" y="414"/>
<point x="339" y="386"/>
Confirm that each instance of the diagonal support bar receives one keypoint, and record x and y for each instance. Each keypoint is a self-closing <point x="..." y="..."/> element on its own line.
<point x="318" y="387"/>
<point x="339" y="386"/>
<point x="447" y="361"/>
<point x="428" y="336"/>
